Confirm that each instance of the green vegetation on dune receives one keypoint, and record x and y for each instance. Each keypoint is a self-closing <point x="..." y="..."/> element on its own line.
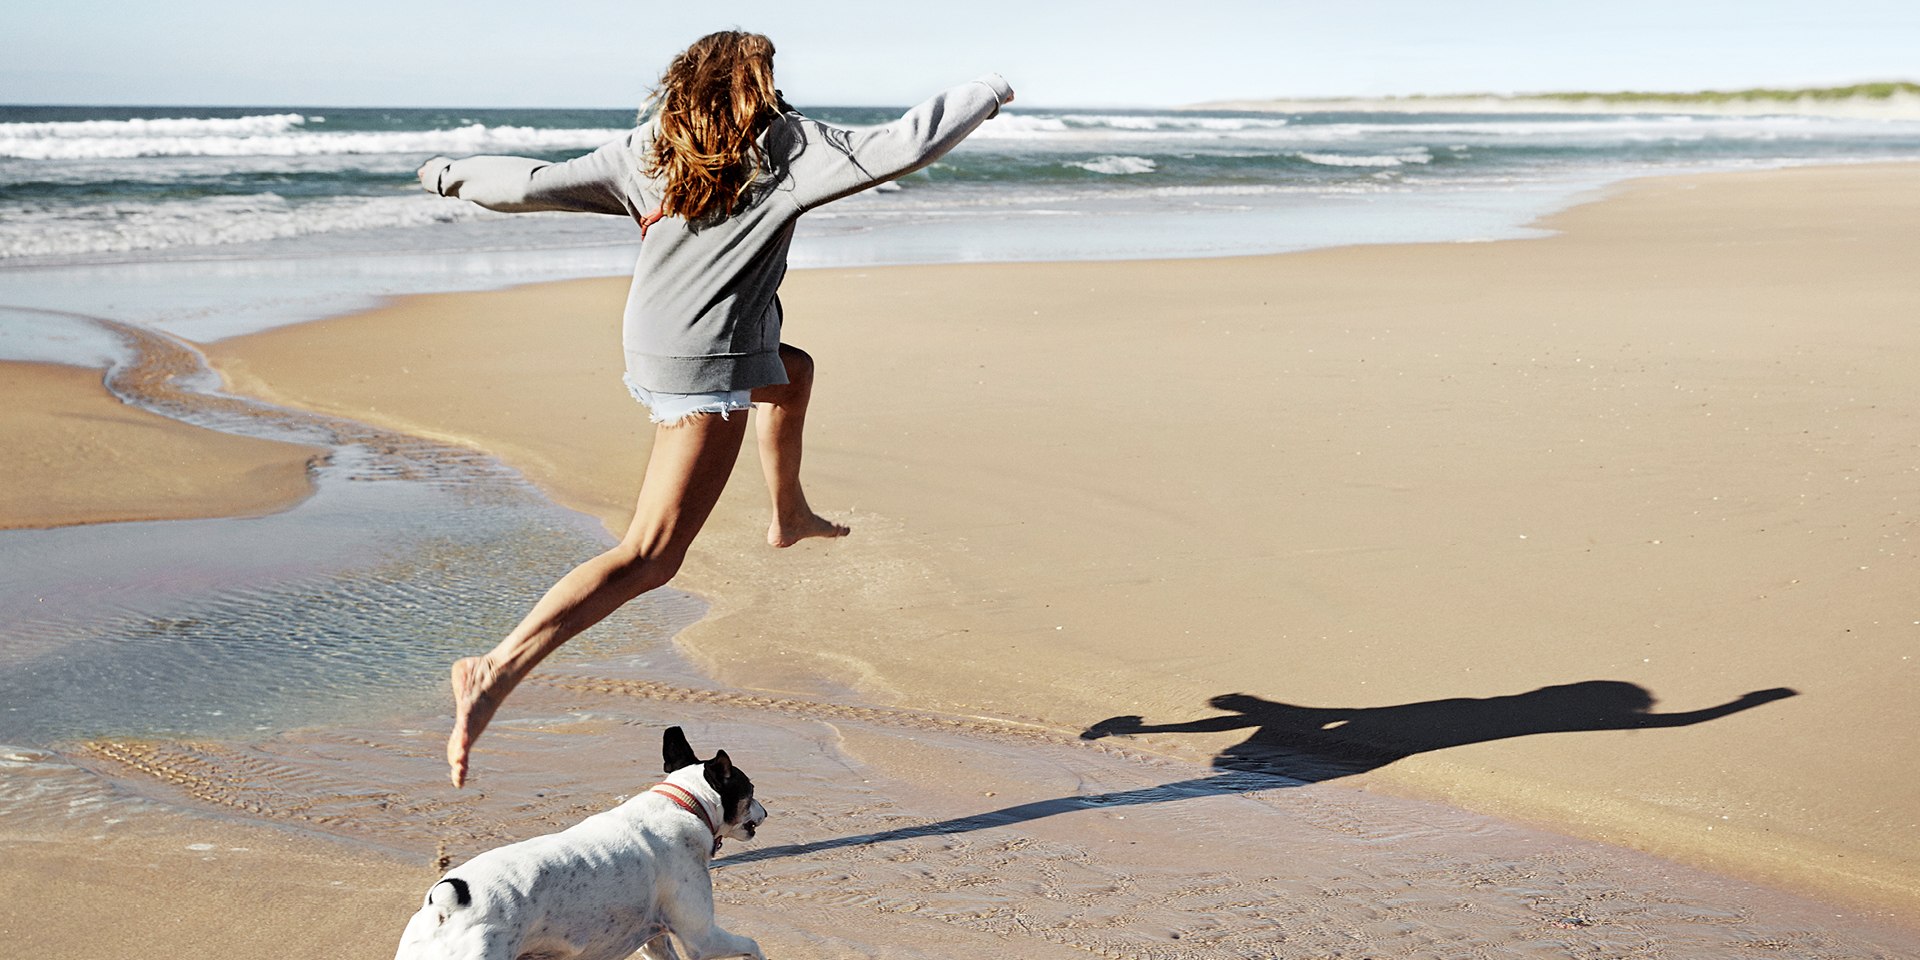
<point x="1858" y="91"/>
<point x="1890" y="95"/>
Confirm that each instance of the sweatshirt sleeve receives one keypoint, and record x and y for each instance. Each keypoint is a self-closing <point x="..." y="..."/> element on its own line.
<point x="594" y="183"/>
<point x="834" y="162"/>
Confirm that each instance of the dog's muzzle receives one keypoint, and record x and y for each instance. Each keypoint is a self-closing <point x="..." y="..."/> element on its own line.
<point x="756" y="815"/>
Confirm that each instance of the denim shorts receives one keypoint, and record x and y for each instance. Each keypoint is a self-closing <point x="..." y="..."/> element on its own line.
<point x="669" y="409"/>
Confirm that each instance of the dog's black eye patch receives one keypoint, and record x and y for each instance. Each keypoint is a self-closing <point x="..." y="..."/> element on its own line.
<point x="736" y="796"/>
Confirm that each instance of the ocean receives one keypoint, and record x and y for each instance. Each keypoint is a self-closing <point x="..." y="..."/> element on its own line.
<point x="94" y="184"/>
<point x="206" y="222"/>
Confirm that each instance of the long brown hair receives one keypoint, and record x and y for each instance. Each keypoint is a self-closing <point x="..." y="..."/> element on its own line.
<point x="712" y="102"/>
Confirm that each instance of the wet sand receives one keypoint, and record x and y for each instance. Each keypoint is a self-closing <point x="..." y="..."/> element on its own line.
<point x="1550" y="528"/>
<point x="75" y="454"/>
<point x="894" y="833"/>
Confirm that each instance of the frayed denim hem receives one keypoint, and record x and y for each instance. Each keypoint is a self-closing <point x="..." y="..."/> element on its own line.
<point x="673" y="409"/>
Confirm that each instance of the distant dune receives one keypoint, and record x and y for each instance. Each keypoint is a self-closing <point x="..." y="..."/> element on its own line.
<point x="1889" y="101"/>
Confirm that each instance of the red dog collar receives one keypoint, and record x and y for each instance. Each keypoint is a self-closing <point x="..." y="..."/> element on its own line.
<point x="685" y="801"/>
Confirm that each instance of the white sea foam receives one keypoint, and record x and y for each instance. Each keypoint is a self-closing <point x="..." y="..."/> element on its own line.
<point x="1013" y="126"/>
<point x="1352" y="160"/>
<point x="1122" y="121"/>
<point x="1114" y="165"/>
<point x="30" y="231"/>
<point x="1116" y="122"/>
<point x="161" y="171"/>
<point x="1279" y="131"/>
<point x="254" y="126"/>
<point x="287" y="141"/>
<point x="1125" y="126"/>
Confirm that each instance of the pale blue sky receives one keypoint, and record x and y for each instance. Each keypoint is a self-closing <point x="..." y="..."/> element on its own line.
<point x="599" y="53"/>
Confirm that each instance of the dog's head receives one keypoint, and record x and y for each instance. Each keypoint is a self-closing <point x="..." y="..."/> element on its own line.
<point x="741" y="814"/>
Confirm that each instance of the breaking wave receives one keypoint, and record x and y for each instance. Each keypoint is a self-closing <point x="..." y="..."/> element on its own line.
<point x="273" y="135"/>
<point x="1352" y="160"/>
<point x="1114" y="165"/>
<point x="29" y="231"/>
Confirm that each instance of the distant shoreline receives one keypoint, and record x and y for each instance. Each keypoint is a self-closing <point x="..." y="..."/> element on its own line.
<point x="1884" y="101"/>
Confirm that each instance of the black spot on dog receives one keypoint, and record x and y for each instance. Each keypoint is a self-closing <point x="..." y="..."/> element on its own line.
<point x="678" y="752"/>
<point x="461" y="895"/>
<point x="733" y="785"/>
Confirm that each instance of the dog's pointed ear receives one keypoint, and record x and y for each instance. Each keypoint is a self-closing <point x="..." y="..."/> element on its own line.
<point x="719" y="770"/>
<point x="678" y="752"/>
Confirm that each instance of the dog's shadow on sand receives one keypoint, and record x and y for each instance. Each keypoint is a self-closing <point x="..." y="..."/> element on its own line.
<point x="1293" y="745"/>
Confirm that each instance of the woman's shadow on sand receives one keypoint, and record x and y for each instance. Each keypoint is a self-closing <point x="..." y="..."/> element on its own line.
<point x="1293" y="745"/>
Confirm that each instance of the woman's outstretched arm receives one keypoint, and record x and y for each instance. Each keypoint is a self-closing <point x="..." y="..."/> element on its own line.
<point x="835" y="162"/>
<point x="595" y="183"/>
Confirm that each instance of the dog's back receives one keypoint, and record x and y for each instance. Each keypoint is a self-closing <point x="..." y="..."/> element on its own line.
<point x="584" y="892"/>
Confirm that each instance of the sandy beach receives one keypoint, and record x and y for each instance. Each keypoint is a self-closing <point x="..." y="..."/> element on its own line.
<point x="78" y="455"/>
<point x="1665" y="449"/>
<point x="1506" y="556"/>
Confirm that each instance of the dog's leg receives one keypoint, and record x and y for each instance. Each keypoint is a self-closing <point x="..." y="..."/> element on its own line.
<point x="659" y="948"/>
<point x="690" y="917"/>
<point x="714" y="942"/>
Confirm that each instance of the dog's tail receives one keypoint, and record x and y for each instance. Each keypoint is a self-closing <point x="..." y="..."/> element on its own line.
<point x="426" y="936"/>
<point x="449" y="895"/>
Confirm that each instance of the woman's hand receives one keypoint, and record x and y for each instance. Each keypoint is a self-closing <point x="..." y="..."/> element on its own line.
<point x="431" y="172"/>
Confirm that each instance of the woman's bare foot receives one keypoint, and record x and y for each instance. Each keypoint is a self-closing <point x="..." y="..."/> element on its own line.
<point x="474" y="701"/>
<point x="785" y="532"/>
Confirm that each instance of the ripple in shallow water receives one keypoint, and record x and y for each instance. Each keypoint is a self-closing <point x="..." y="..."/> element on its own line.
<point x="354" y="602"/>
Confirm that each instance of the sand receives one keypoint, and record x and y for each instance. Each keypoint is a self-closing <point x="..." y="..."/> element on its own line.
<point x="75" y="454"/>
<point x="1668" y="453"/>
<point x="194" y="884"/>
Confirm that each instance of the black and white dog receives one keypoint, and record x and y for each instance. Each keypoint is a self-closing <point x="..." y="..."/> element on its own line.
<point x="614" y="883"/>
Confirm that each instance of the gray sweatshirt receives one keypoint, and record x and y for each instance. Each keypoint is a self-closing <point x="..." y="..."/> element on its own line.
<point x="702" y="315"/>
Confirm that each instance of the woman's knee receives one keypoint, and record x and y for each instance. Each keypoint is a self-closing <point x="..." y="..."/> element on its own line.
<point x="639" y="568"/>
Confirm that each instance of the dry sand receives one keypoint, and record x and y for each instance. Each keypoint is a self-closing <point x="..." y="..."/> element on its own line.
<point x="1673" y="447"/>
<point x="75" y="454"/>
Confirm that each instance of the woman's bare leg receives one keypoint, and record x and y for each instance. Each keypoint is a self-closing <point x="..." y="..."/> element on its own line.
<point x="685" y="473"/>
<point x="783" y="418"/>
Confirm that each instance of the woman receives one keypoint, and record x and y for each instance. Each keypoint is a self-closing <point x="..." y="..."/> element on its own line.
<point x="715" y="180"/>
